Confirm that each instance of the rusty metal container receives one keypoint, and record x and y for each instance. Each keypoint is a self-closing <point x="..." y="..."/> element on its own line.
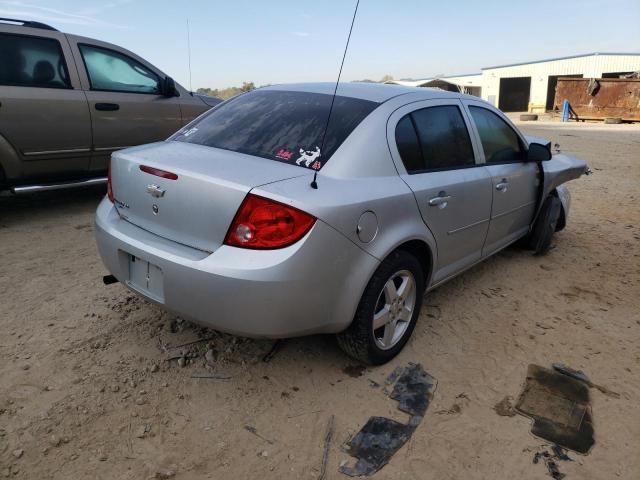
<point x="599" y="98"/>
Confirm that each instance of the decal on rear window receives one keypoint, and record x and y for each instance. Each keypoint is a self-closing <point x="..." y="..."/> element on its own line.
<point x="308" y="156"/>
<point x="284" y="154"/>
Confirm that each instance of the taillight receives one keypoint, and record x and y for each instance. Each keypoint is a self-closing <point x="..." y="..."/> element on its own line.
<point x="109" y="187"/>
<point x="266" y="224"/>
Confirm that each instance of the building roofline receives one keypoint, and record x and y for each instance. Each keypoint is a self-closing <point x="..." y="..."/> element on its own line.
<point x="430" y="79"/>
<point x="462" y="75"/>
<point x="593" y="54"/>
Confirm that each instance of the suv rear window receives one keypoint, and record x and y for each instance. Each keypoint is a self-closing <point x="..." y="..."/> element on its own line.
<point x="280" y="125"/>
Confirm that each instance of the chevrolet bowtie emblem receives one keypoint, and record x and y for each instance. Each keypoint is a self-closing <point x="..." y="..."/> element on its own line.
<point x="155" y="191"/>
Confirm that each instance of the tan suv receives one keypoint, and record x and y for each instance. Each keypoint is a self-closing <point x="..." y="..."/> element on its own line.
<point x="68" y="102"/>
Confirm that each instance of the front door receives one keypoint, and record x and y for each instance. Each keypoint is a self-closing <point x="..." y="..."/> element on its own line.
<point x="126" y="106"/>
<point x="43" y="110"/>
<point x="515" y="181"/>
<point x="452" y="190"/>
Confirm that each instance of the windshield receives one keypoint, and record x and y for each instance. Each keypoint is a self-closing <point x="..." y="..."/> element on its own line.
<point x="280" y="125"/>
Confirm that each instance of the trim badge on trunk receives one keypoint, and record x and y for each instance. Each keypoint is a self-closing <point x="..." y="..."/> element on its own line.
<point x="155" y="191"/>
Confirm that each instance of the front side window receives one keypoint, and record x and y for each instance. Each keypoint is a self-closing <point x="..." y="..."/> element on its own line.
<point x="499" y="142"/>
<point x="280" y="125"/>
<point x="32" y="62"/>
<point x="434" y="138"/>
<point x="112" y="71"/>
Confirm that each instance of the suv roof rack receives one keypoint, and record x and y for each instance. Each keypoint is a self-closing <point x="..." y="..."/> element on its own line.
<point x="27" y="23"/>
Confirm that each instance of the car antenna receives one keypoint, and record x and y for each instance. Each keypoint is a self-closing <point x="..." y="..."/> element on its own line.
<point x="314" y="183"/>
<point x="189" y="56"/>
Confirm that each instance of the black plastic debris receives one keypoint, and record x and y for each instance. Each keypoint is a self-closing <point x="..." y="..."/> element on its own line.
<point x="412" y="390"/>
<point x="380" y="438"/>
<point x="560" y="407"/>
<point x="551" y="461"/>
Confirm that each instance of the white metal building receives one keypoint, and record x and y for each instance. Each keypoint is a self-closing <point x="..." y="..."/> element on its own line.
<point x="530" y="86"/>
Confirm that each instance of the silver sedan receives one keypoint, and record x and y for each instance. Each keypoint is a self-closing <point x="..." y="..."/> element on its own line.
<point x="287" y="211"/>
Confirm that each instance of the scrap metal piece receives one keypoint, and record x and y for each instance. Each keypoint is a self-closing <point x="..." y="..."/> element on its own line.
<point x="253" y="430"/>
<point x="580" y="375"/>
<point x="577" y="374"/>
<point x="277" y="345"/>
<point x="328" y="436"/>
<point x="380" y="438"/>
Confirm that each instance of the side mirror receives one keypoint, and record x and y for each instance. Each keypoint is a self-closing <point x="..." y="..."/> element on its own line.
<point x="538" y="153"/>
<point x="168" y="87"/>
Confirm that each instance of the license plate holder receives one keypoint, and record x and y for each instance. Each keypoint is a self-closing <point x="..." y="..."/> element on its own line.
<point x="147" y="278"/>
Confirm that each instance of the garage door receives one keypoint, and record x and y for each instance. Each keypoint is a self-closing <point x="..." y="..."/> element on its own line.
<point x="514" y="94"/>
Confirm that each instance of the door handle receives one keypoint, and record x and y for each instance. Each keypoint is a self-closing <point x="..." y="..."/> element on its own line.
<point x="107" y="107"/>
<point x="440" y="201"/>
<point x="503" y="185"/>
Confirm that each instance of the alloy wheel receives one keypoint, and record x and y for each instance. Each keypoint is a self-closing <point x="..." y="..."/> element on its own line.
<point x="394" y="309"/>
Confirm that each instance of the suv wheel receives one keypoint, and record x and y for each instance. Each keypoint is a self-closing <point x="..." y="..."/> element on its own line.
<point x="387" y="312"/>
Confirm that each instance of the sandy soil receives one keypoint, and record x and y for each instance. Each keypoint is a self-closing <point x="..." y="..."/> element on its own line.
<point x="88" y="388"/>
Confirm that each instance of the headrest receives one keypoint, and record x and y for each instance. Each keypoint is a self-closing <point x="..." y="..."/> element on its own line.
<point x="43" y="72"/>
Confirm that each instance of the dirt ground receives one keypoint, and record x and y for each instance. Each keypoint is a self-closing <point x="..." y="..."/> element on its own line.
<point x="90" y="386"/>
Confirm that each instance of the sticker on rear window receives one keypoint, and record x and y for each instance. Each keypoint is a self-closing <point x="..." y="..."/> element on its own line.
<point x="308" y="156"/>
<point x="284" y="154"/>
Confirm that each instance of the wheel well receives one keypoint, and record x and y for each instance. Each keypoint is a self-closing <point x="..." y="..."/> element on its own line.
<point x="422" y="252"/>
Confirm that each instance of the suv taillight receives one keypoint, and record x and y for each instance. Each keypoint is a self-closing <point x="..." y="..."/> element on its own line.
<point x="266" y="224"/>
<point x="109" y="187"/>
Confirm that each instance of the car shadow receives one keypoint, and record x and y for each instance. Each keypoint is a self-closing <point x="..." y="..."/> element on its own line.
<point x="16" y="209"/>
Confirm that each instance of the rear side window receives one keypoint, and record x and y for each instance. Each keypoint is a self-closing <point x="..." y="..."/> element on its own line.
<point x="112" y="71"/>
<point x="408" y="145"/>
<point x="440" y="140"/>
<point x="499" y="142"/>
<point x="32" y="62"/>
<point x="280" y="125"/>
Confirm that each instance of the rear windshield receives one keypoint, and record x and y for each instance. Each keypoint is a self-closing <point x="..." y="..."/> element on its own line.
<point x="280" y="125"/>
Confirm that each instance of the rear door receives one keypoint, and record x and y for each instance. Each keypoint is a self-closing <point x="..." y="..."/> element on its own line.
<point x="124" y="97"/>
<point x="437" y="159"/>
<point x="43" y="111"/>
<point x="515" y="181"/>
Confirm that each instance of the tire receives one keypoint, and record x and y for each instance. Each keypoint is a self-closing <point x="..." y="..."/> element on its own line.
<point x="373" y="347"/>
<point x="545" y="226"/>
<point x="525" y="117"/>
<point x="612" y="121"/>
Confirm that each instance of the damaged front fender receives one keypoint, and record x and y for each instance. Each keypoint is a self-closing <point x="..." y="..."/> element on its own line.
<point x="557" y="171"/>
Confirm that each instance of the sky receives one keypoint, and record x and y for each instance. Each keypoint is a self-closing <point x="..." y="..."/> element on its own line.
<point x="283" y="41"/>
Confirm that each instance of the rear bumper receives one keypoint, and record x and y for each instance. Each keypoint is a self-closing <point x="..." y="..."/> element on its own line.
<point x="313" y="286"/>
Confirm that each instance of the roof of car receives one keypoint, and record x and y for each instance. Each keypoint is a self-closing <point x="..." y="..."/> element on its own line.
<point x="375" y="92"/>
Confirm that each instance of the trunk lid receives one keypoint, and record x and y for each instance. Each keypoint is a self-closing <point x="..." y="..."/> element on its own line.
<point x="197" y="208"/>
